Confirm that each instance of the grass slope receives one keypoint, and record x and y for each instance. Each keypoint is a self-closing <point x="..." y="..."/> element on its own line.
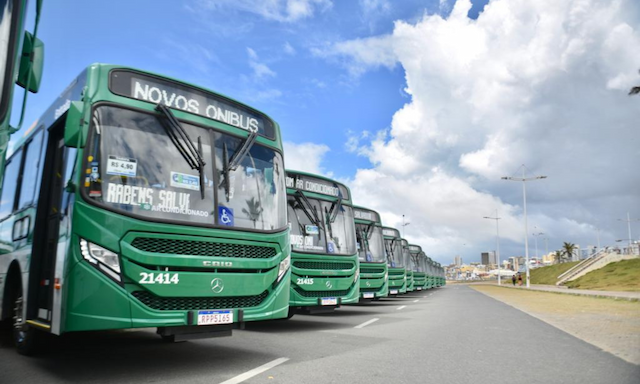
<point x="620" y="276"/>
<point x="549" y="275"/>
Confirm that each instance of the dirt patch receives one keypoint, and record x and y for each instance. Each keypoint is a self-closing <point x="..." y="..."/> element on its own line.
<point x="611" y="325"/>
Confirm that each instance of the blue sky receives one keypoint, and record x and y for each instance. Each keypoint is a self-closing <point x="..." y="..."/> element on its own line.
<point x="450" y="99"/>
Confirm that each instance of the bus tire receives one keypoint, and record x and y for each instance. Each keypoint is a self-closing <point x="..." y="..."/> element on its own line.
<point x="27" y="340"/>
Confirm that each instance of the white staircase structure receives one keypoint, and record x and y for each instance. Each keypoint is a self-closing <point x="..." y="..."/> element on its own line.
<point x="596" y="261"/>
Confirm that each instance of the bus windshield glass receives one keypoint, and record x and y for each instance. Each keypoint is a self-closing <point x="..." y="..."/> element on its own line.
<point x="370" y="243"/>
<point x="313" y="230"/>
<point x="132" y="166"/>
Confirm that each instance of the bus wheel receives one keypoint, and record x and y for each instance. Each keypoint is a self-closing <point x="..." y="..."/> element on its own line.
<point x="25" y="338"/>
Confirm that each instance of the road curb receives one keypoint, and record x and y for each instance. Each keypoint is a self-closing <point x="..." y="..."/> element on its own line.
<point x="569" y="292"/>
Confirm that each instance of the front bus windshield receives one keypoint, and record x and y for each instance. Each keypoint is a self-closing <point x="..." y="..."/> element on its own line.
<point x="312" y="228"/>
<point x="406" y="256"/>
<point x="393" y="249"/>
<point x="370" y="243"/>
<point x="133" y="167"/>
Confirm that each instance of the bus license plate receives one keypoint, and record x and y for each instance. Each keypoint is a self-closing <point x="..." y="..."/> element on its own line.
<point x="393" y="292"/>
<point x="329" y="301"/>
<point x="419" y="288"/>
<point x="215" y="317"/>
<point x="368" y="295"/>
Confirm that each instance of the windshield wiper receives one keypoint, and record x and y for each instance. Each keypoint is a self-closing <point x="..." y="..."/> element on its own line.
<point x="183" y="143"/>
<point x="309" y="210"/>
<point x="233" y="163"/>
<point x="337" y="205"/>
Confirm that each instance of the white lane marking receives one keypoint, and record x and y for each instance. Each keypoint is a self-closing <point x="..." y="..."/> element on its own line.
<point x="400" y="307"/>
<point x="416" y="300"/>
<point x="256" y="371"/>
<point x="366" y="323"/>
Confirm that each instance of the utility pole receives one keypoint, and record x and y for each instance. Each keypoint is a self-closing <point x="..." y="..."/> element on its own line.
<point x="629" y="220"/>
<point x="524" y="180"/>
<point x="497" y="244"/>
<point x="404" y="225"/>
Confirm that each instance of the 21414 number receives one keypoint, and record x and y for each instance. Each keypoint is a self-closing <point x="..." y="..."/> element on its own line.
<point x="159" y="278"/>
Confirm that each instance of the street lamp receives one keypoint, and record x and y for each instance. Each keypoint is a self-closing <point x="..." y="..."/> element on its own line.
<point x="629" y="228"/>
<point x="536" y="239"/>
<point x="403" y="225"/>
<point x="524" y="198"/>
<point x="497" y="243"/>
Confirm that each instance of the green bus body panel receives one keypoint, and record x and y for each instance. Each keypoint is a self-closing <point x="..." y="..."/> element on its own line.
<point x="374" y="282"/>
<point x="325" y="282"/>
<point x="398" y="279"/>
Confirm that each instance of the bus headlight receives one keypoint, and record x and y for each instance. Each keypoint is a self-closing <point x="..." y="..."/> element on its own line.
<point x="357" y="274"/>
<point x="103" y="259"/>
<point x="282" y="269"/>
<point x="386" y="276"/>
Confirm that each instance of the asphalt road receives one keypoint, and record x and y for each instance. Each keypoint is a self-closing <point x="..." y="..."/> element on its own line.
<point x="449" y="335"/>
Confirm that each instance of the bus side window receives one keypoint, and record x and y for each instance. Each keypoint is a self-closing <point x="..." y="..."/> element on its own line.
<point x="30" y="171"/>
<point x="10" y="185"/>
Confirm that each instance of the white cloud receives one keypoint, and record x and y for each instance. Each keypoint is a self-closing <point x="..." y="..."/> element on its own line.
<point x="542" y="83"/>
<point x="260" y="69"/>
<point x="305" y="157"/>
<point x="277" y="10"/>
<point x="288" y="49"/>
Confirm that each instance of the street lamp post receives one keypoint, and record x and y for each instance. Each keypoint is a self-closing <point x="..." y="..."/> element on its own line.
<point x="497" y="244"/>
<point x="403" y="225"/>
<point x="536" y="239"/>
<point x="524" y="198"/>
<point x="629" y="220"/>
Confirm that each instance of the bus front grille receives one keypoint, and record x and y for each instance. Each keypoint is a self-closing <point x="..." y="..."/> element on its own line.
<point x="202" y="248"/>
<point x="322" y="265"/>
<point x="196" y="303"/>
<point x="371" y="270"/>
<point x="304" y="293"/>
<point x="391" y="272"/>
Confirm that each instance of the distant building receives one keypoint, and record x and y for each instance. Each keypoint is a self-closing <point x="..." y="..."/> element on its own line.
<point x="458" y="260"/>
<point x="488" y="258"/>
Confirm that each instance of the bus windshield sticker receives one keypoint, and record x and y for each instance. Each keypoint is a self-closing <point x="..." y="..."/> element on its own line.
<point x="225" y="216"/>
<point x="143" y="197"/>
<point x="331" y="248"/>
<point x="311" y="229"/>
<point x="122" y="166"/>
<point x="185" y="181"/>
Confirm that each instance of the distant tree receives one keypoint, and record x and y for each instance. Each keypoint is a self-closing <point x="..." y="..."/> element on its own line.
<point x="558" y="256"/>
<point x="635" y="90"/>
<point x="568" y="249"/>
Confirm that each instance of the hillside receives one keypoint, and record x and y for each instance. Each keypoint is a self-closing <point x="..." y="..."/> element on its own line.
<point x="620" y="276"/>
<point x="549" y="275"/>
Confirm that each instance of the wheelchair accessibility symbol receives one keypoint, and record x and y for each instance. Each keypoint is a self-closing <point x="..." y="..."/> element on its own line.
<point x="225" y="216"/>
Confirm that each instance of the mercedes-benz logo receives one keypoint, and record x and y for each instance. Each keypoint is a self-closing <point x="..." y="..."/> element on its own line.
<point x="217" y="285"/>
<point x="328" y="284"/>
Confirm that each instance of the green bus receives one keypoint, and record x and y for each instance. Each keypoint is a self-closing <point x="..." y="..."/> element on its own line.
<point x="406" y="255"/>
<point x="141" y="201"/>
<point x="21" y="62"/>
<point x="371" y="254"/>
<point x="429" y="270"/>
<point x="324" y="269"/>
<point x="417" y="265"/>
<point x="395" y="261"/>
<point x="440" y="278"/>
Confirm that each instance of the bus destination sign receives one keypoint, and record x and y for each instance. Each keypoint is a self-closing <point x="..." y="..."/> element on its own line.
<point x="390" y="232"/>
<point x="414" y="248"/>
<point x="365" y="215"/>
<point x="180" y="96"/>
<point x="315" y="185"/>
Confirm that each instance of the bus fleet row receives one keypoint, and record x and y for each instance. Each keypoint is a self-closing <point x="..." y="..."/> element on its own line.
<point x="137" y="200"/>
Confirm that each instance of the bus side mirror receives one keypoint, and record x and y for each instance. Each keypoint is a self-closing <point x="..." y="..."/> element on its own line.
<point x="73" y="125"/>
<point x="31" y="63"/>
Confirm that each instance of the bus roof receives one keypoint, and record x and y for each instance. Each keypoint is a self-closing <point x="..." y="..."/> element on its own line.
<point x="73" y="92"/>
<point x="308" y="182"/>
<point x="415" y="248"/>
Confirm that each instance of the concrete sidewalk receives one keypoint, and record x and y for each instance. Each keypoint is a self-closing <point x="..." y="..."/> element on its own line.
<point x="630" y="296"/>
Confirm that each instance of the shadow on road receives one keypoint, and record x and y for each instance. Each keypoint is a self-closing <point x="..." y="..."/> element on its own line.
<point x="131" y="356"/>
